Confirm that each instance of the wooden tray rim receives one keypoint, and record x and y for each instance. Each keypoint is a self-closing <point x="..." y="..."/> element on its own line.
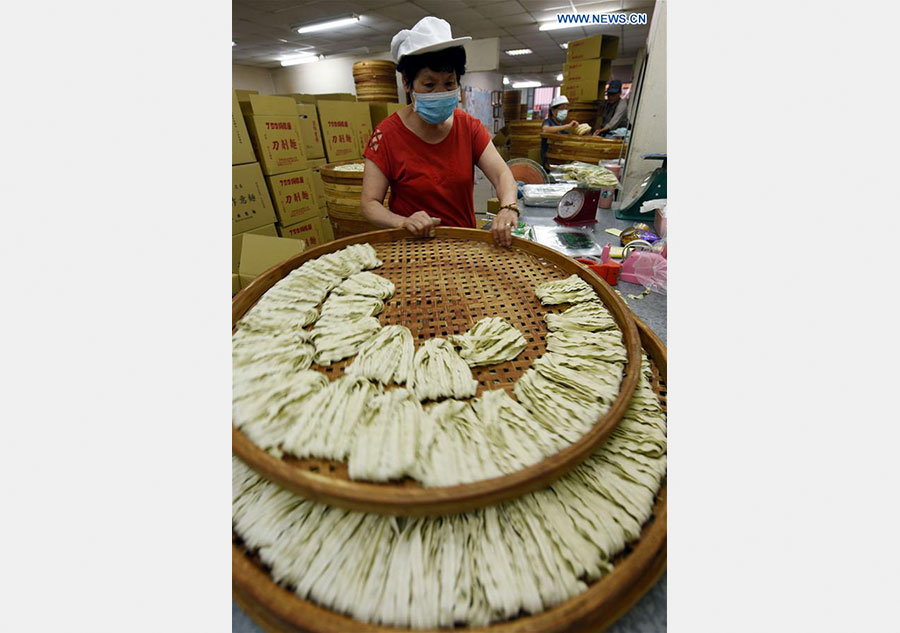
<point x="419" y="501"/>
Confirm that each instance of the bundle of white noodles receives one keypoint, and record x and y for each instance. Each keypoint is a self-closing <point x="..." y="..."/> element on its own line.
<point x="471" y="569"/>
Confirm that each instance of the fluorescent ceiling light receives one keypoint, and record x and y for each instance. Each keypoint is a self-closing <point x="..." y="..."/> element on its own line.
<point x="519" y="51"/>
<point x="527" y="84"/>
<point x="559" y="77"/>
<point x="331" y="24"/>
<point x="506" y="81"/>
<point x="300" y="59"/>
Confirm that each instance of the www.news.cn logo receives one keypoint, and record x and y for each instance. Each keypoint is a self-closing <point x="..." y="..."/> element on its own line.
<point x="601" y="18"/>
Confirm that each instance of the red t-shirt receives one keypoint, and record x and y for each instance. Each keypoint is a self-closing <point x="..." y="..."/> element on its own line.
<point x="439" y="178"/>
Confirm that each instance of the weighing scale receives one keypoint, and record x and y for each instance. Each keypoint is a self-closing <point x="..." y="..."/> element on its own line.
<point x="578" y="207"/>
<point x="653" y="187"/>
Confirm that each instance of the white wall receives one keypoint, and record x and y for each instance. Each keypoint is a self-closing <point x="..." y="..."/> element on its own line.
<point x="328" y="75"/>
<point x="482" y="55"/>
<point x="252" y="78"/>
<point x="649" y="133"/>
<point x="336" y="74"/>
<point x="483" y="80"/>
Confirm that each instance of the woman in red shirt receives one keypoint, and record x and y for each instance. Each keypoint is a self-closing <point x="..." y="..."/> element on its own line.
<point x="427" y="152"/>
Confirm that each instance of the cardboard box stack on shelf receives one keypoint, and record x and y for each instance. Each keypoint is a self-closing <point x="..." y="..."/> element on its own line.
<point x="588" y="67"/>
<point x="273" y="128"/>
<point x="339" y="129"/>
<point x="251" y="212"/>
<point x="299" y="196"/>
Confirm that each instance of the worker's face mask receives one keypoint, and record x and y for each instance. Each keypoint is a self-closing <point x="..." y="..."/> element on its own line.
<point x="436" y="107"/>
<point x="561" y="115"/>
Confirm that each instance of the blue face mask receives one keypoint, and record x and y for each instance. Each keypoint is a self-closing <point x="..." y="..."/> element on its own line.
<point x="436" y="107"/>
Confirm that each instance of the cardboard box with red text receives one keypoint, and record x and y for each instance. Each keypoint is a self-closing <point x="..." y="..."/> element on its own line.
<point x="339" y="130"/>
<point x="241" y="145"/>
<point x="293" y="196"/>
<point x="586" y="80"/>
<point x="309" y="229"/>
<point x="274" y="125"/>
<point x="251" y="206"/>
<point x="594" y="47"/>
<point x="362" y="124"/>
<point x="310" y="131"/>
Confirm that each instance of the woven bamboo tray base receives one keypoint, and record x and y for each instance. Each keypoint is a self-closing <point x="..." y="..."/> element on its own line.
<point x="636" y="570"/>
<point x="443" y="286"/>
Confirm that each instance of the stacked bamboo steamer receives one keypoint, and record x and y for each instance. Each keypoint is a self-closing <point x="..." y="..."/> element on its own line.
<point x="343" y="194"/>
<point x="589" y="149"/>
<point x="584" y="112"/>
<point x="524" y="136"/>
<point x="376" y="80"/>
<point x="511" y="106"/>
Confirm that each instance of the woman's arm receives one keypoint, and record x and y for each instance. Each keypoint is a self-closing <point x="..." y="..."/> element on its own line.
<point x="496" y="170"/>
<point x="556" y="128"/>
<point x="374" y="187"/>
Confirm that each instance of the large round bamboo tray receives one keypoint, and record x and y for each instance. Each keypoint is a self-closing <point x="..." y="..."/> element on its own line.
<point x="443" y="286"/>
<point x="636" y="570"/>
<point x="590" y="149"/>
<point x="524" y="136"/>
<point x="343" y="194"/>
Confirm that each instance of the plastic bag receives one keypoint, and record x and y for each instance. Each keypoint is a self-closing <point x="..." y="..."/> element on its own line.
<point x="544" y="195"/>
<point x="647" y="268"/>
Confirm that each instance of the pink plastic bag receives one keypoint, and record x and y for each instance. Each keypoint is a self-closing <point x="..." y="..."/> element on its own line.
<point x="647" y="269"/>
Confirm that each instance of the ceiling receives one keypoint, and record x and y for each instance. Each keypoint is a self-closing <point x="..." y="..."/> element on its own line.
<point x="263" y="35"/>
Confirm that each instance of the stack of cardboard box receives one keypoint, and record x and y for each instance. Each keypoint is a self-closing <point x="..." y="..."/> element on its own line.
<point x="346" y="127"/>
<point x="262" y="130"/>
<point x="305" y="215"/>
<point x="588" y="67"/>
<point x="251" y="207"/>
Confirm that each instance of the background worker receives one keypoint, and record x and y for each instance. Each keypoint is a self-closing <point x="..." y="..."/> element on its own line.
<point x="615" y="111"/>
<point x="556" y="122"/>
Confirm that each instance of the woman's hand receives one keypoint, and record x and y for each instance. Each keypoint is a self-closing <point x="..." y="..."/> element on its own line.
<point x="501" y="227"/>
<point x="572" y="124"/>
<point x="420" y="224"/>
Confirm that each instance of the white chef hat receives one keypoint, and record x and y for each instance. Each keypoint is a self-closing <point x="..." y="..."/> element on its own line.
<point x="428" y="35"/>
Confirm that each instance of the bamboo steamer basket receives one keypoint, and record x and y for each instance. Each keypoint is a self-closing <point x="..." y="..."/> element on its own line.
<point x="590" y="149"/>
<point x="343" y="193"/>
<point x="524" y="136"/>
<point x="635" y="571"/>
<point x="584" y="112"/>
<point x="472" y="278"/>
<point x="376" y="80"/>
<point x="374" y="65"/>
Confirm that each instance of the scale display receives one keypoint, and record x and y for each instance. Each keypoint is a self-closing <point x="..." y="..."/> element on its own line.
<point x="577" y="207"/>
